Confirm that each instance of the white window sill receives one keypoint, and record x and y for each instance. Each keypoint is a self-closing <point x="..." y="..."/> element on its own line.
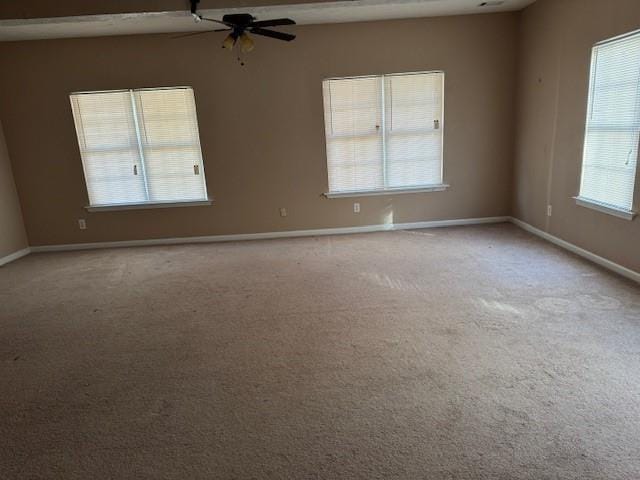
<point x="390" y="191"/>
<point x="603" y="208"/>
<point x="148" y="205"/>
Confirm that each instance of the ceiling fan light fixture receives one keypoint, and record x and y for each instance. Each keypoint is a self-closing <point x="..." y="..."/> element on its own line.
<point x="229" y="42"/>
<point x="246" y="43"/>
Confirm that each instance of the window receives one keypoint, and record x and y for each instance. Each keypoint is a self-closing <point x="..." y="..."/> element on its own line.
<point x="384" y="133"/>
<point x="612" y="135"/>
<point x="139" y="146"/>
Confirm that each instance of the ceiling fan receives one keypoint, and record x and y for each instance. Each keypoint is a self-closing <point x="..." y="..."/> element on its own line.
<point x="239" y="25"/>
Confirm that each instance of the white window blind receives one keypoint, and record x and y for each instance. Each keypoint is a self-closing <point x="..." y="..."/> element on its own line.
<point x="612" y="136"/>
<point x="384" y="132"/>
<point x="139" y="146"/>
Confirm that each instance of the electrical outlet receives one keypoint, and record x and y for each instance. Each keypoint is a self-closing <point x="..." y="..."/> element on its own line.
<point x="283" y="212"/>
<point x="82" y="224"/>
<point x="549" y="210"/>
<point x="356" y="208"/>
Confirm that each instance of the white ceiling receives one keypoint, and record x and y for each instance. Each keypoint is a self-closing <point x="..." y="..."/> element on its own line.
<point x="303" y="14"/>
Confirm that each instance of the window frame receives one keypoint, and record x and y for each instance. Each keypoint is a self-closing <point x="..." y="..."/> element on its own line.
<point x="149" y="204"/>
<point x="386" y="190"/>
<point x="587" y="202"/>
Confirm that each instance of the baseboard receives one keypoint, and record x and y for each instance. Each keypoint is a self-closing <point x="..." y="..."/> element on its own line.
<point x="603" y="262"/>
<point x="14" y="256"/>
<point x="269" y="235"/>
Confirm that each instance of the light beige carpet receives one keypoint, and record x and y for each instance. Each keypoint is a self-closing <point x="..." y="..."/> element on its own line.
<point x="461" y="353"/>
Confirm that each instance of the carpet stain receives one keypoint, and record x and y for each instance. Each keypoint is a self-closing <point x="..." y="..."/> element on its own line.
<point x="557" y="305"/>
<point x="599" y="302"/>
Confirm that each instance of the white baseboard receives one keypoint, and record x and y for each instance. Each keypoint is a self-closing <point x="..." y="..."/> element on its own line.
<point x="14" y="256"/>
<point x="269" y="235"/>
<point x="608" y="264"/>
<point x="603" y="262"/>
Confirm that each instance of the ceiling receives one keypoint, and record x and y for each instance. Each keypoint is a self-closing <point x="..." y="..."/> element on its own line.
<point x="17" y="25"/>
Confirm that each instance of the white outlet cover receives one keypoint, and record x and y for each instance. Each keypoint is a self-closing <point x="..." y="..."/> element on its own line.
<point x="82" y="224"/>
<point x="356" y="208"/>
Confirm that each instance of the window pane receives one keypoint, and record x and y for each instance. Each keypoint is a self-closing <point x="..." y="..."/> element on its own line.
<point x="353" y="119"/>
<point x="609" y="166"/>
<point x="414" y="129"/>
<point x="414" y="101"/>
<point x="354" y="163"/>
<point x="414" y="159"/>
<point x="108" y="147"/>
<point x="171" y="174"/>
<point x="171" y="144"/>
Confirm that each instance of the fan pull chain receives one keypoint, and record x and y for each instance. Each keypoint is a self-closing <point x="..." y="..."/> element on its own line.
<point x="239" y="57"/>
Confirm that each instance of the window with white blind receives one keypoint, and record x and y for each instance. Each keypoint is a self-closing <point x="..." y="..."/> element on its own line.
<point x="140" y="147"/>
<point x="612" y="136"/>
<point x="384" y="133"/>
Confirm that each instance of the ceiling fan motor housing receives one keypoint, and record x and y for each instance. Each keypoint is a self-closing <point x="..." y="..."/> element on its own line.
<point x="239" y="19"/>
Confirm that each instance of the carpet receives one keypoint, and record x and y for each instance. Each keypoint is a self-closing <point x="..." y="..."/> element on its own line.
<point x="456" y="353"/>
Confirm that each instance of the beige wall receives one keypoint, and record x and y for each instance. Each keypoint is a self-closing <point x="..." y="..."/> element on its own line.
<point x="261" y="125"/>
<point x="556" y="37"/>
<point x="12" y="234"/>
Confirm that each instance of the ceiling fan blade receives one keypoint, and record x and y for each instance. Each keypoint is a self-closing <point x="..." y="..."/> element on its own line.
<point x="193" y="34"/>
<point x="287" y="37"/>
<point x="215" y="21"/>
<point x="272" y="23"/>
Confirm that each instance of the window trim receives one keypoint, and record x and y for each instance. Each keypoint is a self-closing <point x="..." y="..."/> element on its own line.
<point x="586" y="202"/>
<point x="617" y="38"/>
<point x="206" y="200"/>
<point x="604" y="208"/>
<point x="122" y="90"/>
<point x="439" y="187"/>
<point x="147" y="205"/>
